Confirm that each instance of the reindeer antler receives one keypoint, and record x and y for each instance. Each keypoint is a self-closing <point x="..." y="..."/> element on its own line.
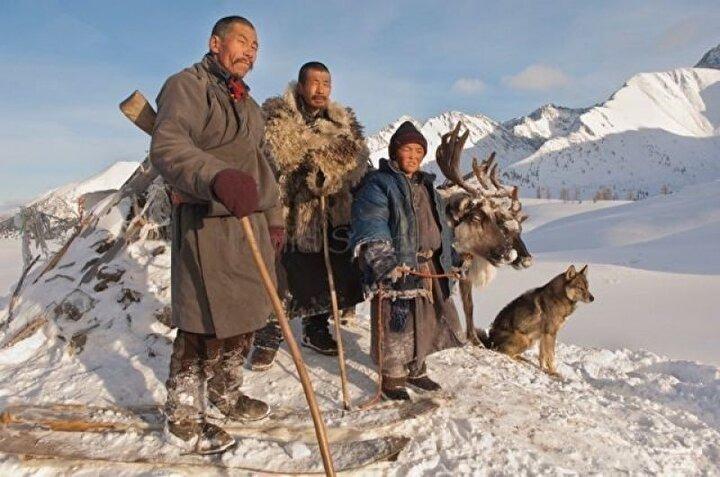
<point x="491" y="186"/>
<point x="448" y="156"/>
<point x="487" y="176"/>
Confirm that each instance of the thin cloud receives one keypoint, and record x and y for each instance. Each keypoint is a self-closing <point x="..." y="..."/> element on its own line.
<point x="538" y="77"/>
<point x="469" y="86"/>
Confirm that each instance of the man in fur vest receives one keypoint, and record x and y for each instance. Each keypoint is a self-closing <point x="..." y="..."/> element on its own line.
<point x="319" y="150"/>
<point x="208" y="144"/>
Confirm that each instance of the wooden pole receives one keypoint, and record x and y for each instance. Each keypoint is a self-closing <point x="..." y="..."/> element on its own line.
<point x="320" y="431"/>
<point x="335" y="310"/>
<point x="138" y="110"/>
<point x="378" y="346"/>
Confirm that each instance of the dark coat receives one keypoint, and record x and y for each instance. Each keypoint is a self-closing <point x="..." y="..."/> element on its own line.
<point x="382" y="210"/>
<point x="200" y="131"/>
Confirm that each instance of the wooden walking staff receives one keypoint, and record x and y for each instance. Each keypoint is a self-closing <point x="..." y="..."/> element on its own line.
<point x="141" y="113"/>
<point x="378" y="346"/>
<point x="334" y="302"/>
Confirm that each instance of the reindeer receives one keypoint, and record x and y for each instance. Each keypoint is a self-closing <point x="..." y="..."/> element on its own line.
<point x="487" y="220"/>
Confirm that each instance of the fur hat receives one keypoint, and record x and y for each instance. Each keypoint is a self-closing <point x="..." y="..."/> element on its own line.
<point x="407" y="133"/>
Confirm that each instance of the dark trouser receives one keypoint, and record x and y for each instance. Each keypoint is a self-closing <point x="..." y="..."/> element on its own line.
<point x="305" y="275"/>
<point x="198" y="360"/>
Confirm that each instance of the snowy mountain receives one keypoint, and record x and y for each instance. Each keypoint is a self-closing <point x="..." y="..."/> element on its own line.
<point x="378" y="142"/>
<point x="658" y="133"/>
<point x="486" y="136"/>
<point x="62" y="203"/>
<point x="711" y="59"/>
<point x="544" y="123"/>
<point x="660" y="130"/>
<point x="64" y="200"/>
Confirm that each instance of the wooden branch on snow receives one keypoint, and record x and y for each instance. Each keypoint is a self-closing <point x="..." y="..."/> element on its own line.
<point x="16" y="292"/>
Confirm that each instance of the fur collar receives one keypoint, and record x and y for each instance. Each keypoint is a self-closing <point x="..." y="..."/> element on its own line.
<point x="334" y="143"/>
<point x="335" y="112"/>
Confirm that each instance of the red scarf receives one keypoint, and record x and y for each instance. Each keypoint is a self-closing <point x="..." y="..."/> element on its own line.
<point x="238" y="89"/>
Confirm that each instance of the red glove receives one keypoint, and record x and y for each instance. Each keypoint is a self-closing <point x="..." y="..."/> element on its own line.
<point x="237" y="191"/>
<point x="277" y="238"/>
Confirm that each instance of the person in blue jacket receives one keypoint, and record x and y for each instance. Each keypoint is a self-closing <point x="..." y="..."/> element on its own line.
<point x="398" y="222"/>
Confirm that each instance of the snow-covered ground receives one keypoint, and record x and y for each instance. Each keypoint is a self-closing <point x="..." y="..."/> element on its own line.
<point x="632" y="398"/>
<point x="654" y="270"/>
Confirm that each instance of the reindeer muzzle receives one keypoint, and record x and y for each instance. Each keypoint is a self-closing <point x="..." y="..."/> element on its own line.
<point x="511" y="256"/>
<point x="523" y="262"/>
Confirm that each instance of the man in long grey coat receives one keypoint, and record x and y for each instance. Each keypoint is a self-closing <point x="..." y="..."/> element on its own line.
<point x="208" y="145"/>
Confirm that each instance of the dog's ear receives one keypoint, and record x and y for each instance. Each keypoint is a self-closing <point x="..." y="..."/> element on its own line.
<point x="570" y="272"/>
<point x="584" y="270"/>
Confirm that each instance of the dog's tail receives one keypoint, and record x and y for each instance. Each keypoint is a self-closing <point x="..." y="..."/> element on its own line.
<point x="484" y="337"/>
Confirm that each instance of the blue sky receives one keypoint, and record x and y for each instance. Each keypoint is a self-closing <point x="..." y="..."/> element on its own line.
<point x="66" y="65"/>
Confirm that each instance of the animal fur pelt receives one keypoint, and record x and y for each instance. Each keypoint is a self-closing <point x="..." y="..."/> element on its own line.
<point x="326" y="157"/>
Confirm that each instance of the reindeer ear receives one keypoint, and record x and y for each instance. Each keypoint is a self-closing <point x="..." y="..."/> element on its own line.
<point x="570" y="272"/>
<point x="457" y="208"/>
<point x="584" y="270"/>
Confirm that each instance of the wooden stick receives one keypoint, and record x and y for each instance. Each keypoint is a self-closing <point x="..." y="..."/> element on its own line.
<point x="378" y="345"/>
<point x="138" y="110"/>
<point x="61" y="253"/>
<point x="16" y="292"/>
<point x="320" y="430"/>
<point x="335" y="310"/>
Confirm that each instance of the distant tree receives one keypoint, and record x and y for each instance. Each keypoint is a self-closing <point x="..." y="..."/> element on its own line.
<point x="564" y="194"/>
<point x="603" y="193"/>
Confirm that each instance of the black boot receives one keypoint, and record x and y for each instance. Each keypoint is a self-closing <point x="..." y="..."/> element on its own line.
<point x="316" y="335"/>
<point x="267" y="343"/>
<point x="421" y="381"/>
<point x="394" y="389"/>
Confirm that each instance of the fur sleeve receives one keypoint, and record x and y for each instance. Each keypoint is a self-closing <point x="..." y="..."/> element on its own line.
<point x="285" y="134"/>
